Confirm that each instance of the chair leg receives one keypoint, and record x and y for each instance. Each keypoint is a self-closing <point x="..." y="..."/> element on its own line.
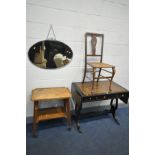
<point x="84" y="74"/>
<point x="93" y="78"/>
<point x="99" y="75"/>
<point x="113" y="73"/>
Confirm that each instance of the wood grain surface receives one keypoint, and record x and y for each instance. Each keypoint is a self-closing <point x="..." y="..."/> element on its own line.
<point x="39" y="94"/>
<point x="99" y="88"/>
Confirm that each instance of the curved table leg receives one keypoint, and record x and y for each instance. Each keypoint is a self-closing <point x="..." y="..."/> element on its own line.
<point x="113" y="109"/>
<point x="77" y="111"/>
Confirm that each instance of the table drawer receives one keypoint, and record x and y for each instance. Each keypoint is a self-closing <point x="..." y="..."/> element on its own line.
<point x="95" y="98"/>
<point x="122" y="95"/>
<point x="104" y="97"/>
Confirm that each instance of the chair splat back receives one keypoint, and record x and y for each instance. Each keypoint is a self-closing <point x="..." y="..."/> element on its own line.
<point x="94" y="41"/>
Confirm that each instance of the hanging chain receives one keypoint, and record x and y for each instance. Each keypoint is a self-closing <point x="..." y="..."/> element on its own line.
<point x="51" y="27"/>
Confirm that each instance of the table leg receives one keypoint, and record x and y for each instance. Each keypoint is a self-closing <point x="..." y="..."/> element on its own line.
<point x="113" y="110"/>
<point x="35" y="118"/>
<point x="67" y="107"/>
<point x="77" y="111"/>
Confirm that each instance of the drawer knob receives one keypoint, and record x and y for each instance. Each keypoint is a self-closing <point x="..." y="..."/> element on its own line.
<point x="122" y="95"/>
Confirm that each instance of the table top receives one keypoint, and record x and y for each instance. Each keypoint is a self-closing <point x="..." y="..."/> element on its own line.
<point x="101" y="87"/>
<point x="99" y="65"/>
<point x="43" y="94"/>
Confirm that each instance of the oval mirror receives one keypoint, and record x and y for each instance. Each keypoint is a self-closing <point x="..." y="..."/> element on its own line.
<point x="50" y="54"/>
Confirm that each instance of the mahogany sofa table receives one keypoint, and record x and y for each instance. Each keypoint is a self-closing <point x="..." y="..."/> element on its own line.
<point x="82" y="93"/>
<point x="46" y="94"/>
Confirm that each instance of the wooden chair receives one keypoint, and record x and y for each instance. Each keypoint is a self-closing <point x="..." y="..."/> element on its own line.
<point x="97" y="66"/>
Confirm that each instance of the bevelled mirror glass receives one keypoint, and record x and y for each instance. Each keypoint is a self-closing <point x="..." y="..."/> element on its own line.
<point x="50" y="54"/>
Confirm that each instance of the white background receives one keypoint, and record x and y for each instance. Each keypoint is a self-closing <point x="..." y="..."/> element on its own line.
<point x="70" y="20"/>
<point x="13" y="77"/>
